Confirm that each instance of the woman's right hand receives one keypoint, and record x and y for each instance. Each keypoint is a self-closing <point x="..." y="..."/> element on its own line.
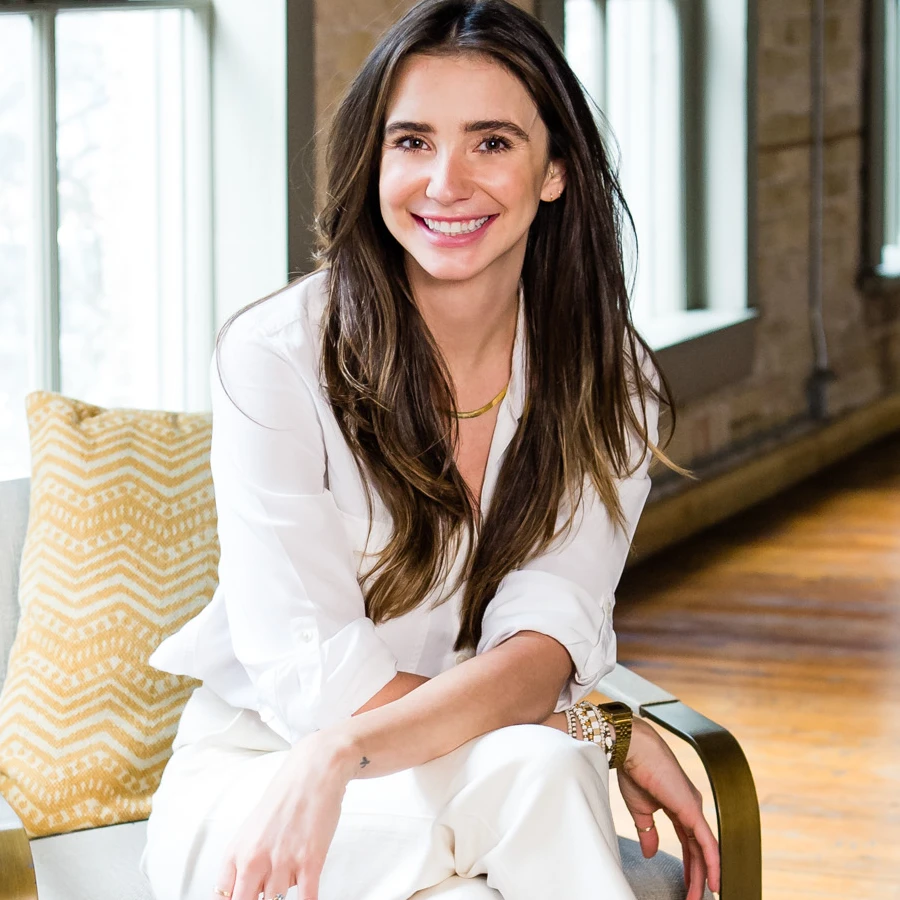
<point x="285" y="839"/>
<point x="652" y="779"/>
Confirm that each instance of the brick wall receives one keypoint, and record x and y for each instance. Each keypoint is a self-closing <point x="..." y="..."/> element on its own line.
<point x="863" y="332"/>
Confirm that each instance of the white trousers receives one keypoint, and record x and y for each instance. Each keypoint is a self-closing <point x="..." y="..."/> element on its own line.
<point x="525" y="806"/>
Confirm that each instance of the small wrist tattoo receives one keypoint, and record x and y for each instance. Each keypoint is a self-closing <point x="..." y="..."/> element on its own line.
<point x="363" y="762"/>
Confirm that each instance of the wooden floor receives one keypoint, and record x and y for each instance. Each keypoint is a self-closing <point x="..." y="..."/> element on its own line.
<point x="784" y="626"/>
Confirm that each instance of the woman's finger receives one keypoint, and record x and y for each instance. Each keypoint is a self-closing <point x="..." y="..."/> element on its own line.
<point x="695" y="867"/>
<point x="307" y="885"/>
<point x="648" y="837"/>
<point x="277" y="884"/>
<point x="698" y="871"/>
<point x="224" y="886"/>
<point x="685" y="851"/>
<point x="248" y="885"/>
<point x="692" y="822"/>
<point x="706" y="845"/>
<point x="709" y="847"/>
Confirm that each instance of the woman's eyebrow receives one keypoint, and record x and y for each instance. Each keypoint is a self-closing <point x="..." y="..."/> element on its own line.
<point x="497" y="125"/>
<point x="470" y="127"/>
<point x="396" y="127"/>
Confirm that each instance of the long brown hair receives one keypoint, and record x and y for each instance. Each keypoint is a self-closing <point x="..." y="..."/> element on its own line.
<point x="389" y="387"/>
<point x="388" y="384"/>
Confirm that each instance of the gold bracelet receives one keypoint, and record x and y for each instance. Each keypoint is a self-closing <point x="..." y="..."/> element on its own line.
<point x="618" y="715"/>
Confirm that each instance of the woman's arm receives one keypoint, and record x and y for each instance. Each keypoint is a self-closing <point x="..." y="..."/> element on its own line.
<point x="515" y="683"/>
<point x="405" y="682"/>
<point x="414" y="719"/>
<point x="286" y="838"/>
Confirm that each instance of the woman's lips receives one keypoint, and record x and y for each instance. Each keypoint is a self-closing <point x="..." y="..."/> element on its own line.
<point x="439" y="239"/>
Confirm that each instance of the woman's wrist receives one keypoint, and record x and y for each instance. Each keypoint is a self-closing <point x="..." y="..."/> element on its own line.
<point x="640" y="732"/>
<point x="337" y="750"/>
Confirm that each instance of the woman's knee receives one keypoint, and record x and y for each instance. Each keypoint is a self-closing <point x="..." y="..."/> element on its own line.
<point x="543" y="754"/>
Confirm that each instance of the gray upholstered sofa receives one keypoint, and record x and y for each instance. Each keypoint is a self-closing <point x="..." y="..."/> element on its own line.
<point x="102" y="863"/>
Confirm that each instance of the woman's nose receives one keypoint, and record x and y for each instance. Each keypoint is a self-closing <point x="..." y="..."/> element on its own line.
<point x="449" y="179"/>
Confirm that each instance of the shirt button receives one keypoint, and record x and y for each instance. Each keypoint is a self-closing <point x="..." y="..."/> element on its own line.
<point x="306" y="636"/>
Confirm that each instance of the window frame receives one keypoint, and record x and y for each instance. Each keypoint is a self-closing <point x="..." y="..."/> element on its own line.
<point x="714" y="344"/>
<point x="882" y="126"/>
<point x="198" y="311"/>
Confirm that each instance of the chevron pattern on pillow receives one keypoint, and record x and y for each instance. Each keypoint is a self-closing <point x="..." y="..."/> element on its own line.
<point x="121" y="551"/>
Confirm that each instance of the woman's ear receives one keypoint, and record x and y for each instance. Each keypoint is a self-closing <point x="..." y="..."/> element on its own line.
<point x="554" y="181"/>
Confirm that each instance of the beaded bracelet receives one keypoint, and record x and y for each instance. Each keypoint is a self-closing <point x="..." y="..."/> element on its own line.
<point x="602" y="729"/>
<point x="598" y="730"/>
<point x="587" y="728"/>
<point x="597" y="727"/>
<point x="570" y="722"/>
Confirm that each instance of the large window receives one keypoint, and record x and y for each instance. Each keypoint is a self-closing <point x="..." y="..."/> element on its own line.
<point x="105" y="265"/>
<point x="670" y="80"/>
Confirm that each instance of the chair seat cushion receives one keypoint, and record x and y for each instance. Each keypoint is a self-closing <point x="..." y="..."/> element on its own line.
<point x="95" y="864"/>
<point x="102" y="864"/>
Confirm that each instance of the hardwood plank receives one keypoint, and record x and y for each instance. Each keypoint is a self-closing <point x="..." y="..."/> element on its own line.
<point x="784" y="626"/>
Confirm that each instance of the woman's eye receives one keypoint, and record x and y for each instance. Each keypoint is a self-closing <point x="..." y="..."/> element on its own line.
<point x="411" y="143"/>
<point x="494" y="144"/>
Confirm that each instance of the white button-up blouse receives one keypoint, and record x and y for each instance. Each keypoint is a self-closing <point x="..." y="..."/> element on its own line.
<point x="286" y="632"/>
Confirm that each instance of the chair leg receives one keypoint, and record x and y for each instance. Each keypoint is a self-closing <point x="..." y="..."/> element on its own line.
<point x="17" y="880"/>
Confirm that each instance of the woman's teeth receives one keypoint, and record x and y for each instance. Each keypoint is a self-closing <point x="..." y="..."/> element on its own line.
<point x="456" y="227"/>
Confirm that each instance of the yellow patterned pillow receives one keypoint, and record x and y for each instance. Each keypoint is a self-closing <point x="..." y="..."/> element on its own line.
<point x="121" y="551"/>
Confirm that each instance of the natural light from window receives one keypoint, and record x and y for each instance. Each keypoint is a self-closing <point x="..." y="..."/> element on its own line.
<point x="890" y="260"/>
<point x="17" y="235"/>
<point x="627" y="54"/>
<point x="119" y="139"/>
<point x="118" y="304"/>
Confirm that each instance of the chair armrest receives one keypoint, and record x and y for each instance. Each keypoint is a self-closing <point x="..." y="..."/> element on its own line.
<point x="17" y="881"/>
<point x="734" y="792"/>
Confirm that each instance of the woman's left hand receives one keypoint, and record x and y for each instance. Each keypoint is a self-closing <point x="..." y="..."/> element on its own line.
<point x="285" y="839"/>
<point x="652" y="779"/>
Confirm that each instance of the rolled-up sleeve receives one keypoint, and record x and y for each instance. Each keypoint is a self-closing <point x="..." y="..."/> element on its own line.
<point x="568" y="592"/>
<point x="295" y="610"/>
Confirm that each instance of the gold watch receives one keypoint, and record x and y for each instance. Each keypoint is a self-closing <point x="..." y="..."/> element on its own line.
<point x="619" y="716"/>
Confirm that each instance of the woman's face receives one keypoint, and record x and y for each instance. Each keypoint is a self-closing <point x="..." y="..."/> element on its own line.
<point x="464" y="166"/>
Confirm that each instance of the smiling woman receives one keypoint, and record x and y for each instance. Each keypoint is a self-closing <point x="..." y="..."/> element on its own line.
<point x="429" y="459"/>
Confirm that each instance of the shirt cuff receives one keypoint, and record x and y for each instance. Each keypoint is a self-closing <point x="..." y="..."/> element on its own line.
<point x="326" y="681"/>
<point x="552" y="605"/>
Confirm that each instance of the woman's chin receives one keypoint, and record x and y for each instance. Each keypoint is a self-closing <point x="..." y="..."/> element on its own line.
<point x="441" y="268"/>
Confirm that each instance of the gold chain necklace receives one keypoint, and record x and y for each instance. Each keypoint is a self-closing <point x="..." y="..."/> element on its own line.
<point x="482" y="410"/>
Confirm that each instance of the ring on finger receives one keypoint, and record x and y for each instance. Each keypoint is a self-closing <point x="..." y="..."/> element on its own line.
<point x="220" y="892"/>
<point x="644" y="830"/>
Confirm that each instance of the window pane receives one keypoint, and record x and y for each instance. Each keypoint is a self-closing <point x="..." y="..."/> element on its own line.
<point x="17" y="232"/>
<point x="891" y="252"/>
<point x="121" y="188"/>
<point x="627" y="54"/>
